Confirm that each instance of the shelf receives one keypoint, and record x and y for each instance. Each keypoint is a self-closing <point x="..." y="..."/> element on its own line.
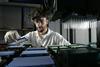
<point x="20" y="4"/>
<point x="16" y="29"/>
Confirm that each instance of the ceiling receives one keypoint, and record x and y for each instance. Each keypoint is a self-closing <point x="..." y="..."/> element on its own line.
<point x="67" y="7"/>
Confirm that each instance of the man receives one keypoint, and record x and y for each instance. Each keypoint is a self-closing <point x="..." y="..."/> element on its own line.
<point x="43" y="36"/>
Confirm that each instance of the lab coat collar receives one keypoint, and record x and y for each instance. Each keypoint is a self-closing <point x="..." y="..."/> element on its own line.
<point x="45" y="35"/>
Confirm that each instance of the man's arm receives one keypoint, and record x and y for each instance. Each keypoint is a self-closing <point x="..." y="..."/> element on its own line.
<point x="21" y="40"/>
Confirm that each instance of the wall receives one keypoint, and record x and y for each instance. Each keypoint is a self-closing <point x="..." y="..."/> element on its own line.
<point x="3" y="0"/>
<point x="1" y="19"/>
<point x="82" y="36"/>
<point x="55" y="25"/>
<point x="11" y="17"/>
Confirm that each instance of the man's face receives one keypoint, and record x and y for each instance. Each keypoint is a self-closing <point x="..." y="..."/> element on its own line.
<point x="41" y="24"/>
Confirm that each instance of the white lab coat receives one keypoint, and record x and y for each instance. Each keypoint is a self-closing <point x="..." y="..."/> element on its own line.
<point x="50" y="38"/>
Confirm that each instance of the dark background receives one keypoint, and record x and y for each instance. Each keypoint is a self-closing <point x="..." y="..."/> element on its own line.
<point x="65" y="7"/>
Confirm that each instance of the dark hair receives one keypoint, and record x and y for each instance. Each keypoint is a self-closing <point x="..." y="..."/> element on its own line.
<point x="39" y="14"/>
